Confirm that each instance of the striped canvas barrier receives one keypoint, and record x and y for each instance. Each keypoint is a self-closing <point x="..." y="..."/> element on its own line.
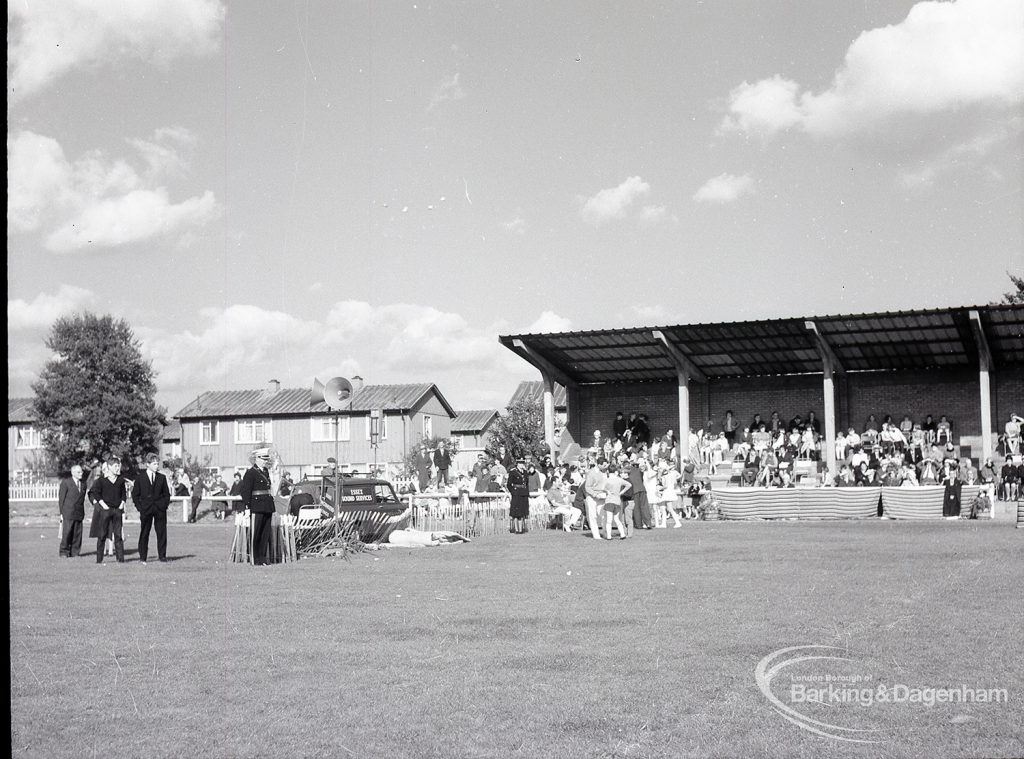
<point x="923" y="502"/>
<point x="1020" y="513"/>
<point x="797" y="503"/>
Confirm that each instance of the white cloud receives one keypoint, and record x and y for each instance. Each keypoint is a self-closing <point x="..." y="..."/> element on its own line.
<point x="242" y="346"/>
<point x="48" y="38"/>
<point x="549" y="321"/>
<point x="98" y="201"/>
<point x="448" y="89"/>
<point x="944" y="57"/>
<point x="725" y="188"/>
<point x="652" y="214"/>
<point x="42" y="311"/>
<point x="612" y="203"/>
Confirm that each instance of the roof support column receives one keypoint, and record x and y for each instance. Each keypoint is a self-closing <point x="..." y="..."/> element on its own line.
<point x="549" y="414"/>
<point x="830" y="365"/>
<point x="984" y="367"/>
<point x="686" y="370"/>
<point x="549" y="374"/>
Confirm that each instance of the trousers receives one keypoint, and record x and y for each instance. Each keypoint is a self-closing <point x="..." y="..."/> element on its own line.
<point x="158" y="520"/>
<point x="261" y="526"/>
<point x="71" y="537"/>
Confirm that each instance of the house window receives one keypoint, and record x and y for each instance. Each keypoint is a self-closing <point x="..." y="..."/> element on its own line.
<point x="252" y="431"/>
<point x="29" y="437"/>
<point x="428" y="426"/>
<point x="323" y="429"/>
<point x="209" y="433"/>
<point x="382" y="426"/>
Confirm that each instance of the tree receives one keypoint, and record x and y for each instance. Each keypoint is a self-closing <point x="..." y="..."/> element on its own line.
<point x="95" y="397"/>
<point x="520" y="430"/>
<point x="1015" y="296"/>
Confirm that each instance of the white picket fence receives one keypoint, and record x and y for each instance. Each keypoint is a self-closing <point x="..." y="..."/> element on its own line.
<point x="38" y="491"/>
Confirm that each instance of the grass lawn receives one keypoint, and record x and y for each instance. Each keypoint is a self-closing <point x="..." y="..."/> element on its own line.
<point x="543" y="645"/>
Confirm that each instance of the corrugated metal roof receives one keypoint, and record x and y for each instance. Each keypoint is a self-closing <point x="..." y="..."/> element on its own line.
<point x="295" y="401"/>
<point x="473" y="421"/>
<point x="19" y="411"/>
<point x="928" y="339"/>
<point x="534" y="390"/>
<point x="172" y="431"/>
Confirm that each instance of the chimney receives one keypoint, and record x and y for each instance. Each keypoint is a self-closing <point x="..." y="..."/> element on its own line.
<point x="357" y="384"/>
<point x="273" y="386"/>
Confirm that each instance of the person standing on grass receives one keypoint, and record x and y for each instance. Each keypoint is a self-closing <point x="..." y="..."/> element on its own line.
<point x="197" y="498"/>
<point x="256" y="493"/>
<point x="519" y="488"/>
<point x="151" y="496"/>
<point x="596" y="484"/>
<point x="442" y="462"/>
<point x="71" y="502"/>
<point x="109" y="494"/>
<point x="617" y="488"/>
<point x="641" y="506"/>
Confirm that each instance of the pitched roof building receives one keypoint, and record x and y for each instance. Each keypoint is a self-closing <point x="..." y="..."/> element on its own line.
<point x="377" y="426"/>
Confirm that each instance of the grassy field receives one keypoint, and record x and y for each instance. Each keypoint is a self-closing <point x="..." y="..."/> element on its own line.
<point x="543" y="645"/>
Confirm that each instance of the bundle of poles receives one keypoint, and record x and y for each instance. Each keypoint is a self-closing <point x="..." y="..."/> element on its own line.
<point x="282" y="539"/>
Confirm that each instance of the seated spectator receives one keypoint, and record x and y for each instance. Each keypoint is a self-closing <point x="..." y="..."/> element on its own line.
<point x="968" y="473"/>
<point x="762" y="439"/>
<point x="775" y="424"/>
<point x="858" y="456"/>
<point x="560" y="505"/>
<point x="908" y="477"/>
<point x="929" y="429"/>
<point x="845" y="477"/>
<point x="756" y="422"/>
<point x="852" y="438"/>
<point x="864" y="475"/>
<point x="869" y="438"/>
<point x="906" y="426"/>
<point x="768" y="466"/>
<point x="813" y="423"/>
<point x="871" y="423"/>
<point x="750" y="469"/>
<point x="988" y="474"/>
<point x="928" y="470"/>
<point x="943" y="430"/>
<point x="840" y="446"/>
<point x="809" y="443"/>
<point x="1008" y="480"/>
<point x="917" y="442"/>
<point x="1012" y="435"/>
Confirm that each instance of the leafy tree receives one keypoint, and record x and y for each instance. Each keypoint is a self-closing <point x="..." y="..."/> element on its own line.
<point x="521" y="430"/>
<point x="95" y="397"/>
<point x="1015" y="296"/>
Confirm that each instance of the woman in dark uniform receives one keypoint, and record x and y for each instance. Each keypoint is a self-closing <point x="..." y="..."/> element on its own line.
<point x="257" y="497"/>
<point x="519" y="487"/>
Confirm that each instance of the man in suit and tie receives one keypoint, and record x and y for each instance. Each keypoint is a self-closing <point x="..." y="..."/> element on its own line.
<point x="152" y="496"/>
<point x="71" y="501"/>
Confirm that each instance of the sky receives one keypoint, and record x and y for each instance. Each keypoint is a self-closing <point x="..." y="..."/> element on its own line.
<point x="300" y="190"/>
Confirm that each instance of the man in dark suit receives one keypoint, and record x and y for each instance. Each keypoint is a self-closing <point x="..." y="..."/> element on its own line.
<point x="443" y="462"/>
<point x="152" y="496"/>
<point x="423" y="462"/>
<point x="71" y="502"/>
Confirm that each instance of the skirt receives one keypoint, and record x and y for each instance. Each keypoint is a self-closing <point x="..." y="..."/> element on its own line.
<point x="520" y="507"/>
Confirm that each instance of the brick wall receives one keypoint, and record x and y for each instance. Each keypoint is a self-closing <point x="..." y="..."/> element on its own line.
<point x="954" y="393"/>
<point x="1007" y="397"/>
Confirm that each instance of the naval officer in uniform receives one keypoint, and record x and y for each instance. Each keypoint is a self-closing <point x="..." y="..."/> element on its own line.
<point x="257" y="497"/>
